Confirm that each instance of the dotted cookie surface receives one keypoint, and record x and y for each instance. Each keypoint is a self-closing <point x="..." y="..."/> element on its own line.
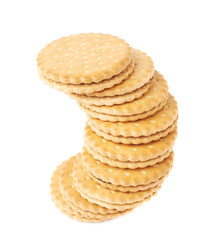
<point x="84" y="58"/>
<point x="131" y="125"/>
<point x="109" y="101"/>
<point x="127" y="164"/>
<point x="129" y="188"/>
<point x="89" y="87"/>
<point x="121" y="118"/>
<point x="85" y="184"/>
<point x="160" y="121"/>
<point x="122" y="152"/>
<point x="157" y="93"/>
<point x="143" y="72"/>
<point x="136" y="140"/>
<point x="64" y="207"/>
<point x="60" y="203"/>
<point x="120" y="207"/>
<point x="71" y="195"/>
<point x="126" y="177"/>
<point x="74" y="199"/>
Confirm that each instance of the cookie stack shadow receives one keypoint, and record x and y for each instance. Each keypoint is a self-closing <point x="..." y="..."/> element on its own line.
<point x="131" y="125"/>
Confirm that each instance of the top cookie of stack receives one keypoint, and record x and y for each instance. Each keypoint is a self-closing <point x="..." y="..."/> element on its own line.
<point x="85" y="63"/>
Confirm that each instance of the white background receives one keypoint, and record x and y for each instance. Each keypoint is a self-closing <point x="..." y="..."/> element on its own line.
<point x="40" y="127"/>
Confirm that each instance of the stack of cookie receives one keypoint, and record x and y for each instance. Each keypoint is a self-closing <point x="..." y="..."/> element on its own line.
<point x="131" y="125"/>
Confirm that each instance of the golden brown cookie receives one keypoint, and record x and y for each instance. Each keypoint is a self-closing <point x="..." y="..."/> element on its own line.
<point x="84" y="58"/>
<point x="89" y="87"/>
<point x="74" y="199"/>
<point x="71" y="195"/>
<point x="135" y="140"/>
<point x="122" y="152"/>
<point x="117" y="118"/>
<point x="157" y="93"/>
<point x="86" y="185"/>
<point x="158" y="122"/>
<point x="120" y="207"/>
<point x="58" y="200"/>
<point x="128" y="188"/>
<point x="109" y="101"/>
<point x="68" y="210"/>
<point x="126" y="177"/>
<point x="127" y="164"/>
<point x="143" y="72"/>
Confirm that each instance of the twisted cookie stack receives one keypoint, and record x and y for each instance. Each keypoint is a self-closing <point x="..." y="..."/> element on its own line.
<point x="130" y="131"/>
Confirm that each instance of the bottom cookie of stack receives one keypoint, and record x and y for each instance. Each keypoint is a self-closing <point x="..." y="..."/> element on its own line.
<point x="73" y="198"/>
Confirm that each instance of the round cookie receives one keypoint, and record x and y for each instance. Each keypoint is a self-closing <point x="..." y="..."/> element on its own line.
<point x="60" y="203"/>
<point x="70" y="193"/>
<point x="126" y="177"/>
<point x="68" y="212"/>
<point x="84" y="58"/>
<point x="120" y="207"/>
<point x="128" y="188"/>
<point x="122" y="152"/>
<point x="89" y="87"/>
<point x="143" y="72"/>
<point x="117" y="118"/>
<point x="66" y="209"/>
<point x="157" y="93"/>
<point x="135" y="140"/>
<point x="158" y="122"/>
<point x="86" y="185"/>
<point x="127" y="164"/>
<point x="109" y="101"/>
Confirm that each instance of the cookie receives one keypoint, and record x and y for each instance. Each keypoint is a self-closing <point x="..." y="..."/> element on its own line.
<point x="90" y="87"/>
<point x="135" y="140"/>
<point x="122" y="152"/>
<point x="66" y="209"/>
<point x="58" y="200"/>
<point x="84" y="58"/>
<point x="86" y="185"/>
<point x="70" y="193"/>
<point x="75" y="217"/>
<point x="126" y="177"/>
<point x="109" y="101"/>
<point x="127" y="164"/>
<point x="143" y="72"/>
<point x="158" y="122"/>
<point x="117" y="118"/>
<point x="157" y="93"/>
<point x="120" y="207"/>
<point x="129" y="188"/>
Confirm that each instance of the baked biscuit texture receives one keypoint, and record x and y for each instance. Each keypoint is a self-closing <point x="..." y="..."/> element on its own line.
<point x="156" y="94"/>
<point x="74" y="212"/>
<point x="83" y="88"/>
<point x="143" y="72"/>
<point x="122" y="152"/>
<point x="131" y="125"/>
<point x="84" y="58"/>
